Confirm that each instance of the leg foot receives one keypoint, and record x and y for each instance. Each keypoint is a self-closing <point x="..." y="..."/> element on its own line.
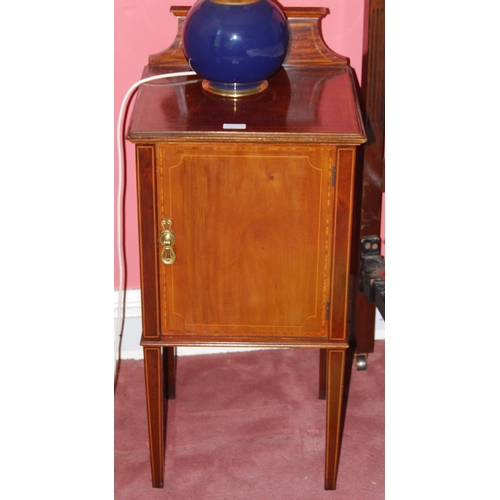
<point x="361" y="361"/>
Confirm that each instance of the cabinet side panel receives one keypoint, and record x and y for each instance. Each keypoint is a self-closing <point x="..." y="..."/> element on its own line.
<point x="145" y="160"/>
<point x="344" y="188"/>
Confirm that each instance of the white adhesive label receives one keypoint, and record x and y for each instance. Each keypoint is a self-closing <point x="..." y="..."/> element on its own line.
<point x="239" y="126"/>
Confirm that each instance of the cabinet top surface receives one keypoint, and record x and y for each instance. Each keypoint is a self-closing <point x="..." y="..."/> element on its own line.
<point x="304" y="104"/>
<point x="312" y="98"/>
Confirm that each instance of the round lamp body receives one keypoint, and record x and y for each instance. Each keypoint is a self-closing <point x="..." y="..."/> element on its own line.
<point x="235" y="45"/>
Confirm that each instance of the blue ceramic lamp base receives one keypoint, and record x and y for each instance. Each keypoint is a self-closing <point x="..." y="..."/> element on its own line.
<point x="235" y="45"/>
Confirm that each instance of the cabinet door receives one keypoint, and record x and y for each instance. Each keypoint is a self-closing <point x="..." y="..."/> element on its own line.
<point x="253" y="231"/>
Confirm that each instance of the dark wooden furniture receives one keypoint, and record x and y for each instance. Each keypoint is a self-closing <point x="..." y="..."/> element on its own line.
<point x="370" y="184"/>
<point x="261" y="217"/>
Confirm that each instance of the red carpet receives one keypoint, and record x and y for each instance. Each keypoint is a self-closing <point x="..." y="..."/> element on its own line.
<point x="249" y="425"/>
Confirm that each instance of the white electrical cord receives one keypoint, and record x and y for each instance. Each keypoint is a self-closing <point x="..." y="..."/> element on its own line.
<point x="120" y="132"/>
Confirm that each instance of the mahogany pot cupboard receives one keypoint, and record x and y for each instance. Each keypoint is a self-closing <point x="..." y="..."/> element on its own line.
<point x="245" y="217"/>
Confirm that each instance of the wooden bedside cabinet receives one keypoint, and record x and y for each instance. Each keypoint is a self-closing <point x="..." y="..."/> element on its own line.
<point x="245" y="215"/>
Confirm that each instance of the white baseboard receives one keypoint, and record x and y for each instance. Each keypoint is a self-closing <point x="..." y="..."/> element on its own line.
<point x="132" y="330"/>
<point x="133" y="308"/>
<point x="379" y="326"/>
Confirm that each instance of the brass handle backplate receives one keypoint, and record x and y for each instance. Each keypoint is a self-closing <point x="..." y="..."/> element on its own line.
<point x="167" y="240"/>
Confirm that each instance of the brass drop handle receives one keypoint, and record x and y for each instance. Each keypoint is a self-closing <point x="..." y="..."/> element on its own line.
<point x="167" y="240"/>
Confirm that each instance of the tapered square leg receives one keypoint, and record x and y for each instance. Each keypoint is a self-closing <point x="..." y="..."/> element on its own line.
<point x="155" y="401"/>
<point x="322" y="374"/>
<point x="335" y="366"/>
<point x="170" y="370"/>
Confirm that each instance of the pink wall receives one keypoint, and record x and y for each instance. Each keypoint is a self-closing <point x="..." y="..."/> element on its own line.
<point x="144" y="27"/>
